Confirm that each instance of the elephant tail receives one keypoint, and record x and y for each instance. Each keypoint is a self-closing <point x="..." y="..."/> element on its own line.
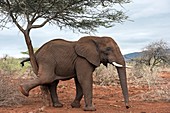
<point x="25" y="60"/>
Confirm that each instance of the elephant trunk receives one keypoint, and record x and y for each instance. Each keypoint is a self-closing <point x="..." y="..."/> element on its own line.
<point x="123" y="83"/>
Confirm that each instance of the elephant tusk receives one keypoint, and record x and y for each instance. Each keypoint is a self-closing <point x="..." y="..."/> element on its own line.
<point x="116" y="64"/>
<point x="129" y="67"/>
<point x="119" y="65"/>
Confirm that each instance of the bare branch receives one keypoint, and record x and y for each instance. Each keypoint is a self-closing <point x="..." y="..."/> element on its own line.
<point x="155" y="54"/>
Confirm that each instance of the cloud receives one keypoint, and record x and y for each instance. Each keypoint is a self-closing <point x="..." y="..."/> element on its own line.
<point x="13" y="43"/>
<point x="148" y="8"/>
<point x="150" y="23"/>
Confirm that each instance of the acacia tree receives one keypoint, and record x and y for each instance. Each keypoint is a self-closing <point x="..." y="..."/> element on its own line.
<point x="80" y="15"/>
<point x="154" y="54"/>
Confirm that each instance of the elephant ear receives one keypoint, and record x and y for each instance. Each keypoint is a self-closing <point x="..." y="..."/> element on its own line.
<point x="89" y="51"/>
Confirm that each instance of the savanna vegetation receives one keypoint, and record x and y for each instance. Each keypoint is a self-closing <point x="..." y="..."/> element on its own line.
<point x="146" y="73"/>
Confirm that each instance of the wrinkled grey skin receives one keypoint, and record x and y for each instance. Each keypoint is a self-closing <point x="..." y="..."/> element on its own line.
<point x="62" y="60"/>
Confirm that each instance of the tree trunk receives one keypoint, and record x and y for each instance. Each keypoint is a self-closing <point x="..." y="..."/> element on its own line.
<point x="31" y="52"/>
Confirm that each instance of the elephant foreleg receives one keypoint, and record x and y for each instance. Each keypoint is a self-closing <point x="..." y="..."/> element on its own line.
<point x="84" y="74"/>
<point x="54" y="97"/>
<point x="79" y="94"/>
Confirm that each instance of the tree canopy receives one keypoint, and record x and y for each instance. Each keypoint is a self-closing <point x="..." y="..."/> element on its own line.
<point x="79" y="15"/>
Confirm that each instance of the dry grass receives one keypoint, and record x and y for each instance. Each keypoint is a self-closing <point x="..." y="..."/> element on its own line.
<point x="142" y="75"/>
<point x="158" y="89"/>
<point x="9" y="94"/>
<point x="138" y="77"/>
<point x="10" y="69"/>
<point x="106" y="76"/>
<point x="156" y="94"/>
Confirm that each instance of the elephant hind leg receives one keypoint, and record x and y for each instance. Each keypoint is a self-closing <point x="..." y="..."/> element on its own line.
<point x="26" y="87"/>
<point x="45" y="95"/>
<point x="45" y="76"/>
<point x="54" y="97"/>
<point x="79" y="94"/>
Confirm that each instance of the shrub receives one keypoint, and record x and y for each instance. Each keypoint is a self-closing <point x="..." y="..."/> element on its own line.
<point x="10" y="69"/>
<point x="9" y="94"/>
<point x="10" y="66"/>
<point x="141" y="76"/>
<point x="151" y="85"/>
<point x="106" y="75"/>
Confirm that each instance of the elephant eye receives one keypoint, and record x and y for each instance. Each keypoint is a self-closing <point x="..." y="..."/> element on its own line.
<point x="108" y="49"/>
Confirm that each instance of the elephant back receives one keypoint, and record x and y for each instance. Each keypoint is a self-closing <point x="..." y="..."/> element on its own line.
<point x="57" y="51"/>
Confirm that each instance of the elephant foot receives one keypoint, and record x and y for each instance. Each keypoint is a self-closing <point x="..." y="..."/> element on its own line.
<point x="127" y="106"/>
<point x="75" y="104"/>
<point x="89" y="108"/>
<point x="57" y="105"/>
<point x="23" y="91"/>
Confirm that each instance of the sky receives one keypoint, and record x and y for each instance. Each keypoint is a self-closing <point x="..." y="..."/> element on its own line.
<point x="149" y="21"/>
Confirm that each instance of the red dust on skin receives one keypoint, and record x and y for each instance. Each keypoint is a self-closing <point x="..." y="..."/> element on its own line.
<point x="107" y="99"/>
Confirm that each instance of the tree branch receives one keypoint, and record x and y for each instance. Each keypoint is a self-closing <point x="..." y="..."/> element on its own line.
<point x="13" y="18"/>
<point x="42" y="24"/>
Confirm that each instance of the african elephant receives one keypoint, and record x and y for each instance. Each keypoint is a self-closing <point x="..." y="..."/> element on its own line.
<point x="62" y="60"/>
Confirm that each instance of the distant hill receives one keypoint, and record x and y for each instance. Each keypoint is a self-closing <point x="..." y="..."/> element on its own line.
<point x="136" y="55"/>
<point x="132" y="55"/>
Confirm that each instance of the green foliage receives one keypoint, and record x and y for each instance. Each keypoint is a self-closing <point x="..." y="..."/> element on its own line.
<point x="81" y="15"/>
<point x="77" y="15"/>
<point x="11" y="67"/>
<point x="26" y="52"/>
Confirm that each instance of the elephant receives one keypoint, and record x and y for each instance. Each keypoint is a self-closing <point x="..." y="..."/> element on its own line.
<point x="59" y="59"/>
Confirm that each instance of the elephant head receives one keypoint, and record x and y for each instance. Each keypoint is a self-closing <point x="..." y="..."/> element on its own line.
<point x="104" y="50"/>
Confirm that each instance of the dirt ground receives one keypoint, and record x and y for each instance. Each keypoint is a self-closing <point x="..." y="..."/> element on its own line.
<point x="107" y="99"/>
